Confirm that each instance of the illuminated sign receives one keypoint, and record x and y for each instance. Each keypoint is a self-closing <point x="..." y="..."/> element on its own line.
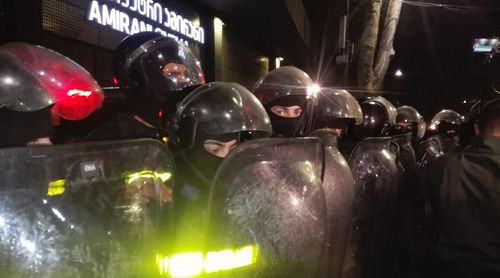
<point x="134" y="16"/>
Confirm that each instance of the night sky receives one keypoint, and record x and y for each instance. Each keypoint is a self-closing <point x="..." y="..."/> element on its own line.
<point x="434" y="50"/>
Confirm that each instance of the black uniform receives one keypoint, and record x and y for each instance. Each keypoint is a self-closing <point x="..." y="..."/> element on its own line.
<point x="466" y="205"/>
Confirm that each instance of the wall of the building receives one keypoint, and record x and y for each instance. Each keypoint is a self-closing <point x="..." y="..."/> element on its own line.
<point x="61" y="25"/>
<point x="241" y="63"/>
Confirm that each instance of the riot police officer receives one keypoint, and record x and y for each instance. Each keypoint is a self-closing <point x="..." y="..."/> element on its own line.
<point x="211" y="121"/>
<point x="373" y="164"/>
<point x="336" y="112"/>
<point x="409" y="120"/>
<point x="208" y="124"/>
<point x="287" y="94"/>
<point x="155" y="73"/>
<point x="447" y="123"/>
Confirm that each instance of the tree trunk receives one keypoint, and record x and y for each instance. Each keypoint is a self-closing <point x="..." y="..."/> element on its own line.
<point x="386" y="50"/>
<point x="367" y="46"/>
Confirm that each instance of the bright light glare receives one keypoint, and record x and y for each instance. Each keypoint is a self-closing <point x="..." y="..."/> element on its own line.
<point x="313" y="90"/>
<point x="8" y="80"/>
<point x="186" y="265"/>
<point x="277" y="62"/>
<point x="398" y="73"/>
<point x="29" y="245"/>
<point x="191" y="264"/>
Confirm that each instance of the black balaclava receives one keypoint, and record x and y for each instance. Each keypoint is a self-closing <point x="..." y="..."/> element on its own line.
<point x="449" y="136"/>
<point x="398" y="130"/>
<point x="201" y="160"/>
<point x="287" y="127"/>
<point x="341" y="123"/>
<point x="19" y="128"/>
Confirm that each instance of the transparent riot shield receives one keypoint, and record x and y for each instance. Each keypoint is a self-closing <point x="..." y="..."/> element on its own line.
<point x="407" y="205"/>
<point x="372" y="245"/>
<point x="427" y="152"/>
<point x="338" y="186"/>
<point x="86" y="210"/>
<point x="406" y="156"/>
<point x="268" y="196"/>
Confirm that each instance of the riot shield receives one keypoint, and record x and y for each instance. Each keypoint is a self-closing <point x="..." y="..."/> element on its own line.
<point x="406" y="156"/>
<point x="373" y="229"/>
<point x="407" y="198"/>
<point x="86" y="210"/>
<point x="338" y="186"/>
<point x="427" y="152"/>
<point x="268" y="194"/>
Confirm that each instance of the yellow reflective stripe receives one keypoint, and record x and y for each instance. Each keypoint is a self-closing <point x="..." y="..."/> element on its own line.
<point x="222" y="260"/>
<point x="186" y="265"/>
<point x="147" y="174"/>
<point x="56" y="188"/>
<point x="192" y="264"/>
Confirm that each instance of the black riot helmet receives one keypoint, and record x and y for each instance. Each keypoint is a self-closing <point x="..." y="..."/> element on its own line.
<point x="155" y="71"/>
<point x="286" y="94"/>
<point x="447" y="122"/>
<point x="336" y="109"/>
<point x="156" y="63"/>
<point x="409" y="120"/>
<point x="218" y="111"/>
<point x="379" y="115"/>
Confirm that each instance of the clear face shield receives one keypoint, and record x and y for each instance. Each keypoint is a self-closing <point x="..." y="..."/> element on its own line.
<point x="166" y="64"/>
<point x="72" y="89"/>
<point x="19" y="89"/>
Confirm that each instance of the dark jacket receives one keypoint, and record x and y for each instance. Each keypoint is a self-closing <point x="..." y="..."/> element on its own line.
<point x="122" y="127"/>
<point x="465" y="190"/>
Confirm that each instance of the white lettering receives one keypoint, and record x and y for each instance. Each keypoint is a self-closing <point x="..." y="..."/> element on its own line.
<point x="174" y="24"/>
<point x="167" y="18"/>
<point x="109" y="17"/>
<point x="119" y="20"/>
<point x="159" y="30"/>
<point x="134" y="6"/>
<point x="142" y="7"/>
<point x="124" y="23"/>
<point x="185" y="26"/>
<point x="76" y="92"/>
<point x="145" y="27"/>
<point x="157" y="14"/>
<point x="135" y="26"/>
<point x="95" y="12"/>
<point x="149" y="9"/>
<point x="125" y="3"/>
<point x="89" y="167"/>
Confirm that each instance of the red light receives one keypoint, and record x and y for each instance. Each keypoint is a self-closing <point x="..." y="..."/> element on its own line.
<point x="115" y="81"/>
<point x="76" y="93"/>
<point x="160" y="114"/>
<point x="201" y="78"/>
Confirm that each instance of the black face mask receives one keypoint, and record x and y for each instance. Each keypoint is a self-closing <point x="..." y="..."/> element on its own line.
<point x="19" y="128"/>
<point x="284" y="127"/>
<point x="203" y="162"/>
<point x="287" y="127"/>
<point x="398" y="130"/>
